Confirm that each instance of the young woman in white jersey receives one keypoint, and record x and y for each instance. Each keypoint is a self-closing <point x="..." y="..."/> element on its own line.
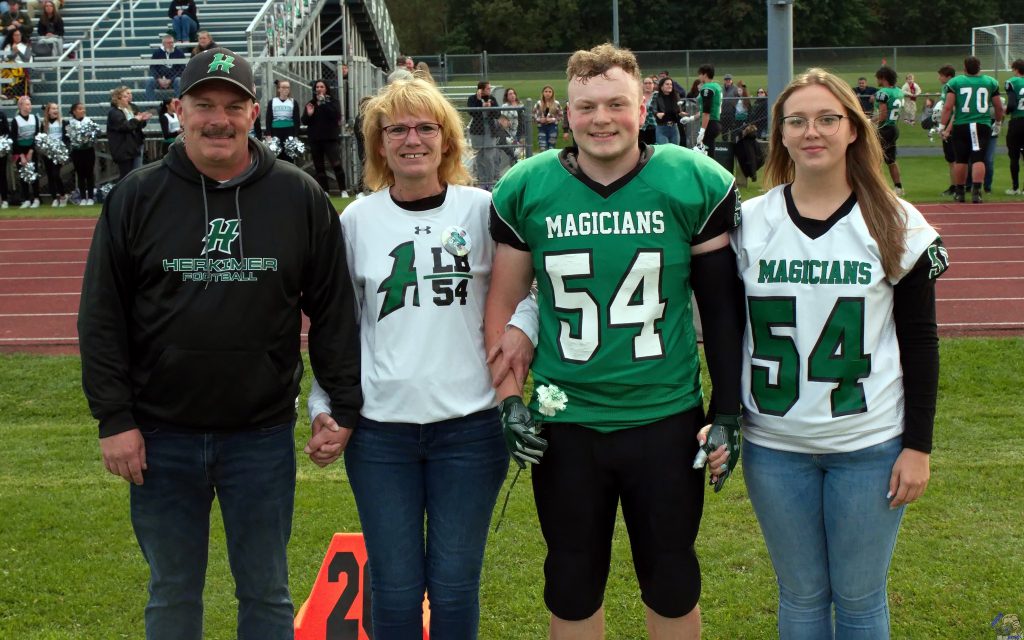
<point x="840" y="361"/>
<point x="429" y="443"/>
<point x="282" y="117"/>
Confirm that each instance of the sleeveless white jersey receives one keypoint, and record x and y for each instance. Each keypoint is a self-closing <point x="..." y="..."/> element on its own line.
<point x="821" y="365"/>
<point x="421" y="306"/>
<point x="282" y="110"/>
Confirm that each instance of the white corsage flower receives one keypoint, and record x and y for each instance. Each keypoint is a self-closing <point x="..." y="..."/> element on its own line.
<point x="551" y="399"/>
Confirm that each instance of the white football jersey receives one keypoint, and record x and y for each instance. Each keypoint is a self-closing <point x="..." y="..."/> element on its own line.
<point x="421" y="280"/>
<point x="821" y="367"/>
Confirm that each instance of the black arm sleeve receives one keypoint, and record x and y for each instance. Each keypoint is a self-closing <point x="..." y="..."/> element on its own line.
<point x="723" y="219"/>
<point x="917" y="334"/>
<point x="707" y="99"/>
<point x="501" y="232"/>
<point x="719" y="291"/>
<point x="329" y="301"/>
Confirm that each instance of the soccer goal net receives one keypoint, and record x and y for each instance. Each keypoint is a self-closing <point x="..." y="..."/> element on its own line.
<point x="998" y="45"/>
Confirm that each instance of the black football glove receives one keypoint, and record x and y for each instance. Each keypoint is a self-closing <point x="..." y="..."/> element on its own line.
<point x="521" y="437"/>
<point x="725" y="429"/>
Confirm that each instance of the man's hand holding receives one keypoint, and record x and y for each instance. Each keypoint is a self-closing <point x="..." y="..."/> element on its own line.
<point x="124" y="454"/>
<point x="520" y="432"/>
<point x="328" y="440"/>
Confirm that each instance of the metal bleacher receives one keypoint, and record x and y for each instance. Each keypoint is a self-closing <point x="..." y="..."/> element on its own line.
<point x="122" y="54"/>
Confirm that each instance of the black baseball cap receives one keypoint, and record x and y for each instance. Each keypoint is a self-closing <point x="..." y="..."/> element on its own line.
<point x="218" y="64"/>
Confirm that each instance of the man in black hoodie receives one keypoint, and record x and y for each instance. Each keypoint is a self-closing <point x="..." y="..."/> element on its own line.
<point x="200" y="269"/>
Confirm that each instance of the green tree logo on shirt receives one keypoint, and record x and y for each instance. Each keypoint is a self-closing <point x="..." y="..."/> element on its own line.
<point x="402" y="277"/>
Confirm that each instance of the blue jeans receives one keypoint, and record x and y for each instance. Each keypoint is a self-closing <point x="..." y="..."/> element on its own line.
<point x="830" y="534"/>
<point x="185" y="28"/>
<point x="450" y="471"/>
<point x="252" y="473"/>
<point x="151" y="88"/>
<point x="547" y="136"/>
<point x="666" y="134"/>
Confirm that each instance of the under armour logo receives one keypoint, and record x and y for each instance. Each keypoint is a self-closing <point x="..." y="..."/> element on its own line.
<point x="425" y="230"/>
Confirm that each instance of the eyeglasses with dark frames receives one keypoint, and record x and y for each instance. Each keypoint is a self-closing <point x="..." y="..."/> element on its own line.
<point x="401" y="131"/>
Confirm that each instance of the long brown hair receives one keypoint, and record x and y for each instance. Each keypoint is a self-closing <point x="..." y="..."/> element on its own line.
<point x="412" y="96"/>
<point x="882" y="213"/>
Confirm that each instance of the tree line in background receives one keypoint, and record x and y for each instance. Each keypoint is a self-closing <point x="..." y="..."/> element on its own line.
<point x="535" y="26"/>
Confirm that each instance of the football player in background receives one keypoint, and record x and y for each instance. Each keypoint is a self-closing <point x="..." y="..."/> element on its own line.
<point x="970" y="96"/>
<point x="710" y="102"/>
<point x="1015" y="131"/>
<point x="618" y="233"/>
<point x="889" y="99"/>
<point x="839" y="405"/>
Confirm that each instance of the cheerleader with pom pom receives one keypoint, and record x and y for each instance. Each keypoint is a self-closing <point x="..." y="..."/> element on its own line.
<point x="5" y="150"/>
<point x="24" y="128"/>
<point x="282" y="117"/>
<point x="56" y="130"/>
<point x="82" y="133"/>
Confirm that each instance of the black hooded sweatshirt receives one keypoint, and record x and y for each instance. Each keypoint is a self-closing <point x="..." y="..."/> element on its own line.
<point x="190" y="311"/>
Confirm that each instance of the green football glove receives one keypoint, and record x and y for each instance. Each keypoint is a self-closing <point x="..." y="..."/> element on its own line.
<point x="725" y="429"/>
<point x="521" y="437"/>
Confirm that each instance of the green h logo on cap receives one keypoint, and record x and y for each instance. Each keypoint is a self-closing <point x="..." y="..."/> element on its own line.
<point x="221" y="62"/>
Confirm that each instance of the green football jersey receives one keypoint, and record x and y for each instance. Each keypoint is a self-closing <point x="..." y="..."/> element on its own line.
<point x="1015" y="88"/>
<point x="613" y="279"/>
<point x="892" y="98"/>
<point x="714" y="90"/>
<point x="973" y="98"/>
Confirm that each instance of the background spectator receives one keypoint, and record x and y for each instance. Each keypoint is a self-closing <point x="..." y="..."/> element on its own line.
<point x="910" y="91"/>
<point x="515" y="122"/>
<point x="204" y="41"/>
<point x="483" y="127"/>
<point x="730" y="94"/>
<point x="16" y="19"/>
<point x="423" y="71"/>
<point x="50" y="30"/>
<point x="322" y="117"/>
<point x="184" y="19"/>
<point x="759" y="112"/>
<point x="647" y="129"/>
<point x="866" y="96"/>
<point x="164" y="76"/>
<point x="33" y="7"/>
<point x="546" y="113"/>
<point x="666" y="112"/>
<point x="124" y="130"/>
<point x="170" y="127"/>
<point x="15" y="50"/>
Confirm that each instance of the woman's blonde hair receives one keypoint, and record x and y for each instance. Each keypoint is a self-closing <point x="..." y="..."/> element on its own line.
<point x="116" y="93"/>
<point x="46" y="115"/>
<point x="406" y="97"/>
<point x="882" y="213"/>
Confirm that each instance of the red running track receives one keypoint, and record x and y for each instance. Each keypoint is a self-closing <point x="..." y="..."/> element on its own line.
<point x="41" y="265"/>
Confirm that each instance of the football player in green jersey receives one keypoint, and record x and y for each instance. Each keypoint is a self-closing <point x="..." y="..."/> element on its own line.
<point x="889" y="99"/>
<point x="970" y="96"/>
<point x="618" y="233"/>
<point x="1015" y="132"/>
<point x="710" y="108"/>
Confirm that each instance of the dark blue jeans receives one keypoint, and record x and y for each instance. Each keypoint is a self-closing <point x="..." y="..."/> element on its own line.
<point x="450" y="472"/>
<point x="252" y="474"/>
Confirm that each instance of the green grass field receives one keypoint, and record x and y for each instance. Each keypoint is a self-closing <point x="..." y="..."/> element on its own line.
<point x="70" y="567"/>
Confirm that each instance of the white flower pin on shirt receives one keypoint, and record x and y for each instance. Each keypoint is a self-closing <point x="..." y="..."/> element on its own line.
<point x="551" y="399"/>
